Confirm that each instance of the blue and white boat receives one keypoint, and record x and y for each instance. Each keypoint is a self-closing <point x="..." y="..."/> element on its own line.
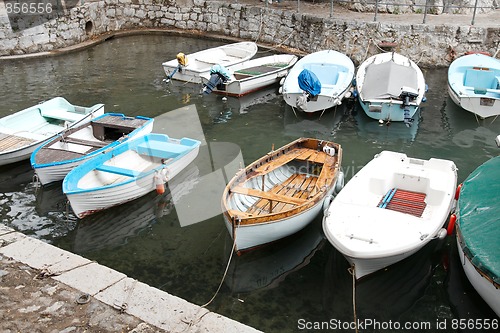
<point x="474" y="84"/>
<point x="58" y="156"/>
<point x="22" y="132"/>
<point x="390" y="87"/>
<point x="127" y="171"/>
<point x="318" y="81"/>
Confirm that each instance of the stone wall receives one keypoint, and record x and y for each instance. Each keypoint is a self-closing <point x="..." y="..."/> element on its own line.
<point x="430" y="45"/>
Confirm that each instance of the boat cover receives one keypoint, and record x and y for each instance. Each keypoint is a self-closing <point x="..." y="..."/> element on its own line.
<point x="309" y="82"/>
<point x="385" y="80"/>
<point x="478" y="218"/>
<point x="219" y="69"/>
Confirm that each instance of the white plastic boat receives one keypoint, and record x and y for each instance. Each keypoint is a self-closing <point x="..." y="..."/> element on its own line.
<point x="474" y="84"/>
<point x="22" y="132"/>
<point x="127" y="171"/>
<point x="190" y="67"/>
<point x="318" y="81"/>
<point x="390" y="87"/>
<point x="56" y="157"/>
<point x="249" y="76"/>
<point x="390" y="209"/>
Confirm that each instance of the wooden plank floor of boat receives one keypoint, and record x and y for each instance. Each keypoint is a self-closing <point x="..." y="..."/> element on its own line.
<point x="9" y="142"/>
<point x="50" y="155"/>
<point x="296" y="186"/>
<point x="407" y="202"/>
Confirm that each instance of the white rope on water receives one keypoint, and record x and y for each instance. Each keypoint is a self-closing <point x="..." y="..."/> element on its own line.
<point x="352" y="271"/>
<point x="198" y="319"/>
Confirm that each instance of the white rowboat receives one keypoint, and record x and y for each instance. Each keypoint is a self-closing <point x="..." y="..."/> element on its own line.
<point x="126" y="172"/>
<point x="390" y="209"/>
<point x="190" y="67"/>
<point x="22" y="132"/>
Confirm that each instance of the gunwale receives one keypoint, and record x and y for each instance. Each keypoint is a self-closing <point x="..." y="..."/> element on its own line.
<point x="303" y="150"/>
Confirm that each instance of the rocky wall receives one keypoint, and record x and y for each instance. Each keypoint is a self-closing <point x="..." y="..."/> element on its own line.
<point x="430" y="45"/>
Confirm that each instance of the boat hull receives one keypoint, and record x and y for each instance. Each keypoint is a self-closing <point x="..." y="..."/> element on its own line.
<point x="247" y="237"/>
<point x="390" y="209"/>
<point x="484" y="287"/>
<point x="482" y="106"/>
<point x="381" y="82"/>
<point x="333" y="69"/>
<point x="381" y="110"/>
<point x="199" y="63"/>
<point x="254" y="74"/>
<point x="280" y="193"/>
<point x="24" y="131"/>
<point x="89" y="202"/>
<point x="48" y="173"/>
<point x="474" y="84"/>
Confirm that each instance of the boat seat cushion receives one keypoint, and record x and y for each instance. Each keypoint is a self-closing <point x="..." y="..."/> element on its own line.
<point x="161" y="149"/>
<point x="61" y="114"/>
<point x="483" y="79"/>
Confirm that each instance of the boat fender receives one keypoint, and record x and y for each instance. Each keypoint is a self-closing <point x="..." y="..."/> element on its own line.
<point x="451" y="224"/>
<point x="182" y="59"/>
<point x="160" y="179"/>
<point x="329" y="150"/>
<point x="326" y="204"/>
<point x="457" y="192"/>
<point x="339" y="184"/>
<point x="442" y="233"/>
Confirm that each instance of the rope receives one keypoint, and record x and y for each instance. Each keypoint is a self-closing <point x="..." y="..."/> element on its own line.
<point x="192" y="322"/>
<point x="352" y="271"/>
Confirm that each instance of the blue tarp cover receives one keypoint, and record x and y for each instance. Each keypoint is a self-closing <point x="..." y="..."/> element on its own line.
<point x="309" y="82"/>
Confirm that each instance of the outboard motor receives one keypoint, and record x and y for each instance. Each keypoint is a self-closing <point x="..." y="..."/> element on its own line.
<point x="218" y="74"/>
<point x="407" y="95"/>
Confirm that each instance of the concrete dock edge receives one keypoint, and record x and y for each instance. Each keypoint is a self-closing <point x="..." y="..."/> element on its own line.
<point x="127" y="296"/>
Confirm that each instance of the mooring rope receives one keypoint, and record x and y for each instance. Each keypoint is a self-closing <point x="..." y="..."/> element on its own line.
<point x="352" y="271"/>
<point x="192" y="322"/>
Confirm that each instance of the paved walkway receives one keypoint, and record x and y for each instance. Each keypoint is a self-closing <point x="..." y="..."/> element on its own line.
<point x="46" y="289"/>
<point x="325" y="9"/>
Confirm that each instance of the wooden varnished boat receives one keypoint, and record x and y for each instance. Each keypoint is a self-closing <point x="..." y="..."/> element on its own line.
<point x="282" y="192"/>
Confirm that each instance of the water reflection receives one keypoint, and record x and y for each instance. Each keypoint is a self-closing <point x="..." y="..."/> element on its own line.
<point x="390" y="294"/>
<point x="181" y="245"/>
<point x="270" y="265"/>
<point x="114" y="227"/>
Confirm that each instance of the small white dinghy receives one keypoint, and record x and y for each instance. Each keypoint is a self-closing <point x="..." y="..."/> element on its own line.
<point x="127" y="171"/>
<point x="190" y="67"/>
<point x="58" y="156"/>
<point x="318" y="81"/>
<point x="390" y="209"/>
<point x="249" y="76"/>
<point x="474" y="84"/>
<point x="22" y="132"/>
<point x="390" y="87"/>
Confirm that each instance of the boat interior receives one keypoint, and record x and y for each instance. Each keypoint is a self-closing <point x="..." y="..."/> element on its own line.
<point x="82" y="140"/>
<point x="282" y="187"/>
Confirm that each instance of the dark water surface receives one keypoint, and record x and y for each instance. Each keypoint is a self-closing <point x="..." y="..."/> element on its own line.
<point x="178" y="242"/>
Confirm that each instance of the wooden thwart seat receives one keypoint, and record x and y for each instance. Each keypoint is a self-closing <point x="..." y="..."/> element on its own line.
<point x="268" y="195"/>
<point x="96" y="144"/>
<point x="117" y="170"/>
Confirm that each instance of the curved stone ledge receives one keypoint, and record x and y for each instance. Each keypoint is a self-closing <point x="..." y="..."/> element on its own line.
<point x="433" y="44"/>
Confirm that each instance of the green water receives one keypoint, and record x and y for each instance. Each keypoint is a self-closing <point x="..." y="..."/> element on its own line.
<point x="178" y="242"/>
